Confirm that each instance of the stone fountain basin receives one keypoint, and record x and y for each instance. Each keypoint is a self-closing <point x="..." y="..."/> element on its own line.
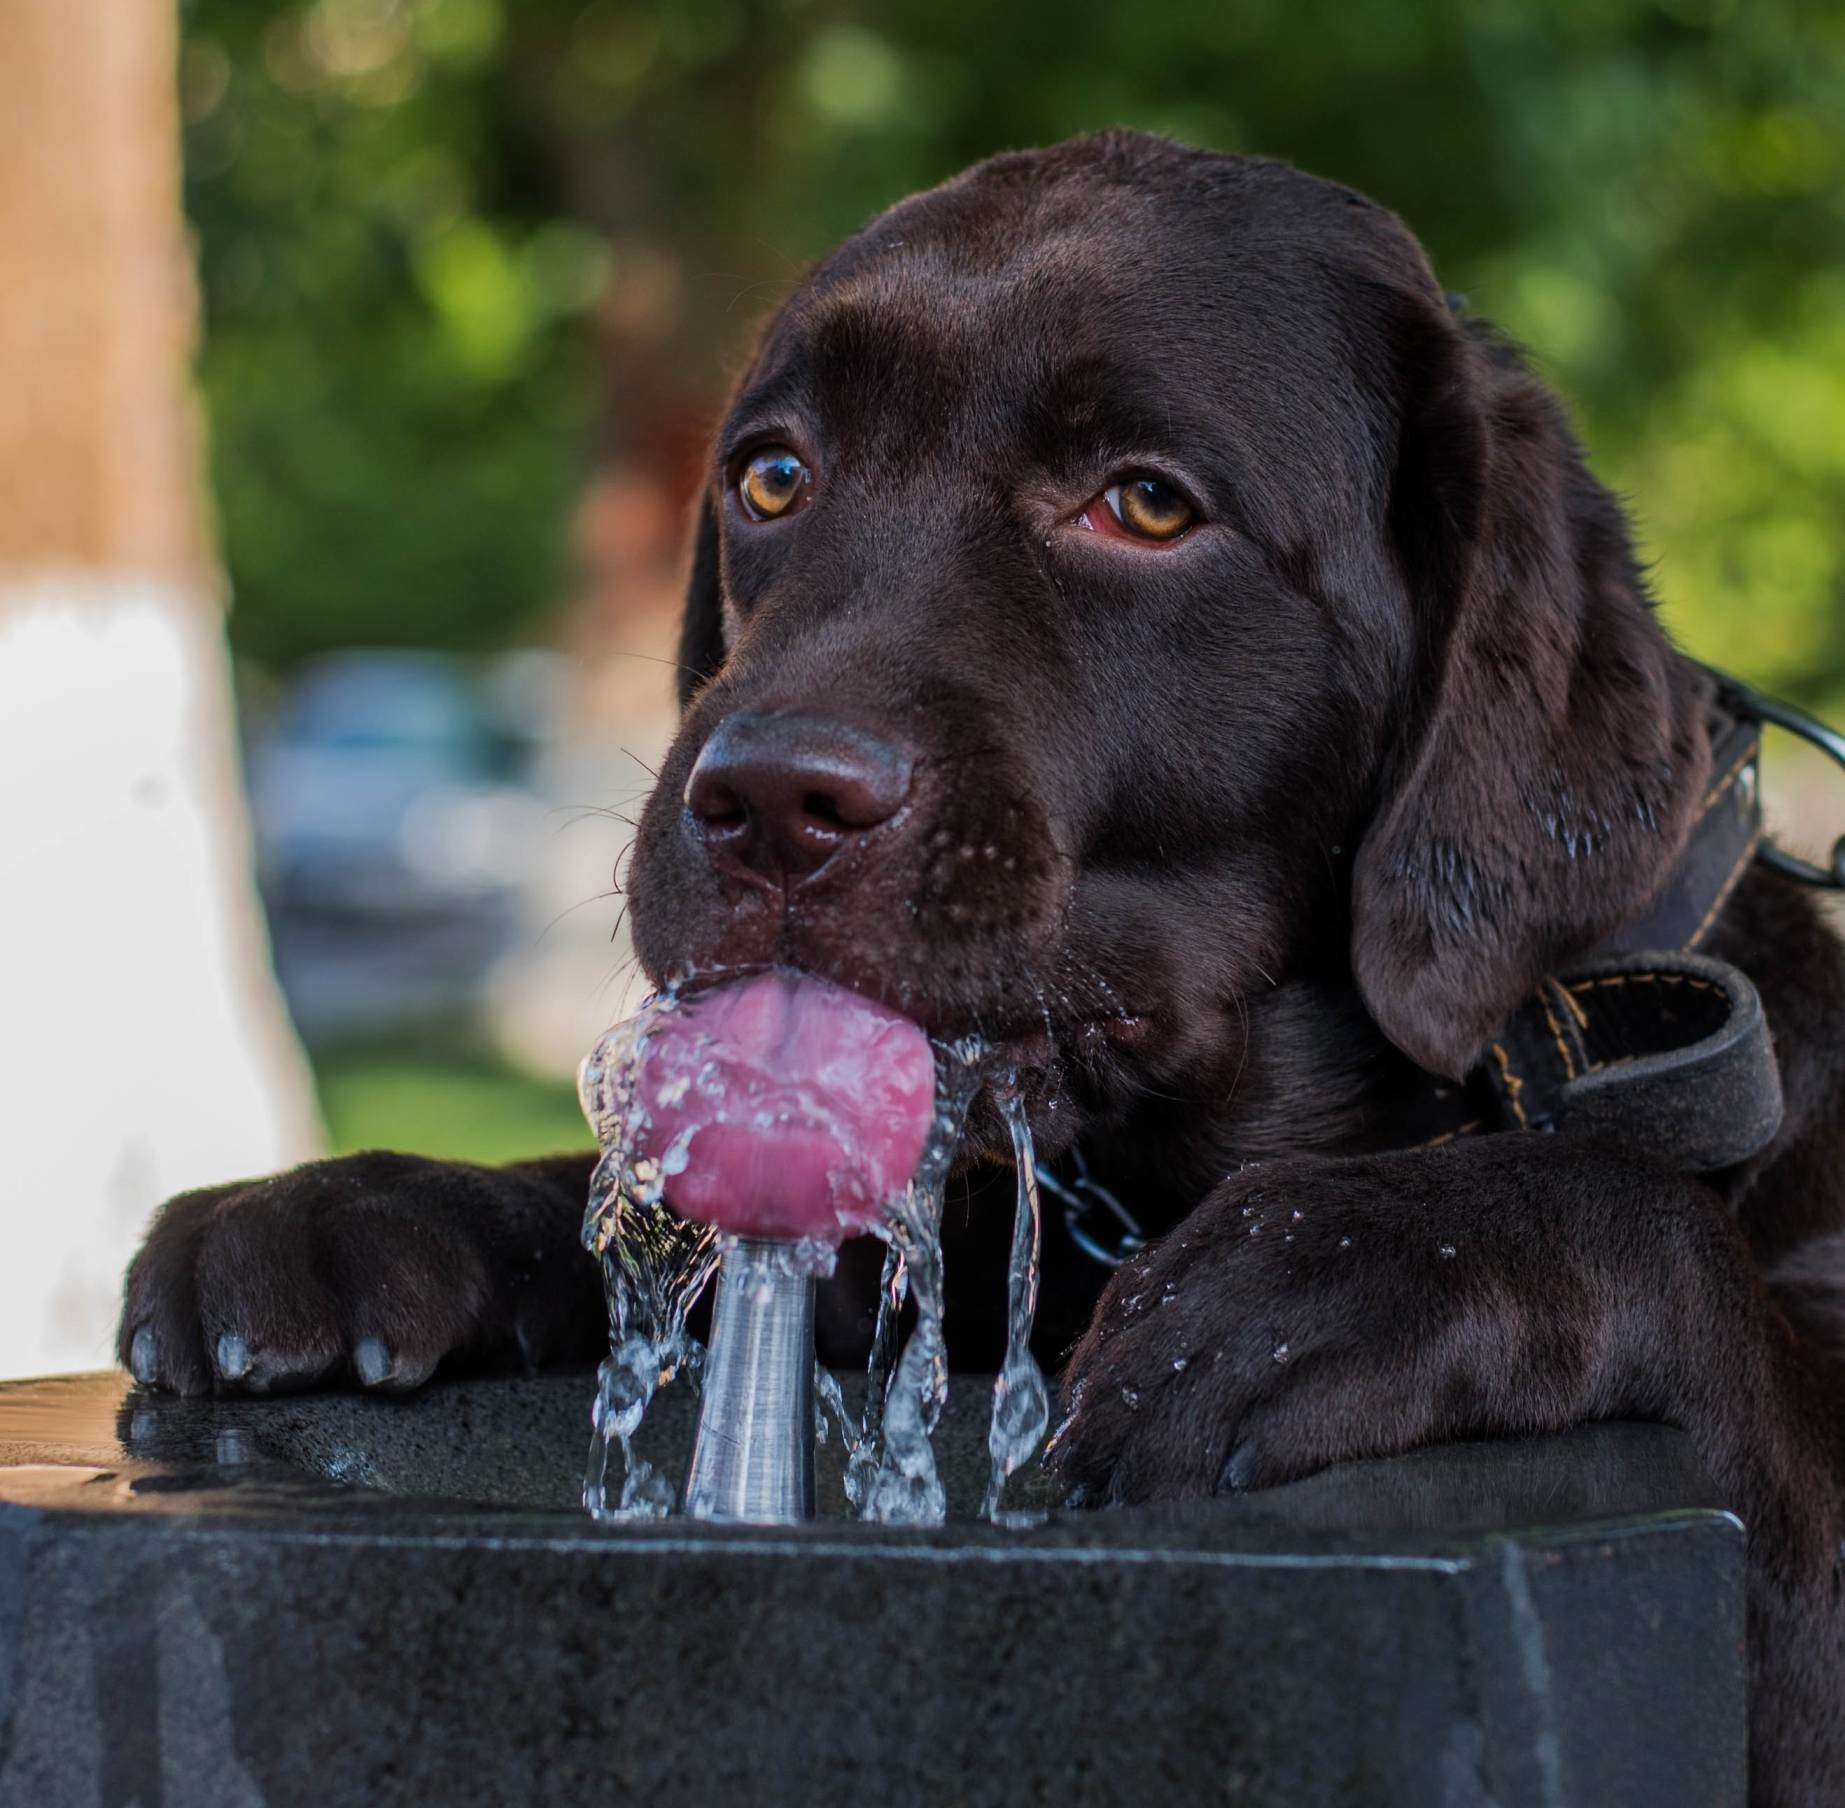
<point x="336" y="1599"/>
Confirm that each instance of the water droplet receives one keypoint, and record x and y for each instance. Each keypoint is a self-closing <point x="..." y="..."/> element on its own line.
<point x="1129" y="1398"/>
<point x="1345" y="1242"/>
<point x="1445" y="1251"/>
<point x="1180" y="1364"/>
<point x="1297" y="1214"/>
<point x="1281" y="1352"/>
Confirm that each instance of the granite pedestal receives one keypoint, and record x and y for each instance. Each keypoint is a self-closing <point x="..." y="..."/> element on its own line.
<point x="337" y="1600"/>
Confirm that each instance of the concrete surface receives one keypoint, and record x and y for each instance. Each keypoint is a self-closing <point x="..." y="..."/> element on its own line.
<point x="335" y="1599"/>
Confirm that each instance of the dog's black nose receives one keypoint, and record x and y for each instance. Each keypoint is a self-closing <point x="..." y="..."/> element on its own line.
<point x="783" y="793"/>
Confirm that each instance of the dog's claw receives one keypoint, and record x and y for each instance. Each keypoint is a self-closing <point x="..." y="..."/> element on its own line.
<point x="233" y="1357"/>
<point x="1239" y="1470"/>
<point x="373" y="1361"/>
<point x="144" y="1357"/>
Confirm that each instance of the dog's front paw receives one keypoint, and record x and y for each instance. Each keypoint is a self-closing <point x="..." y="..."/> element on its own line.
<point x="370" y="1268"/>
<point x="1312" y="1312"/>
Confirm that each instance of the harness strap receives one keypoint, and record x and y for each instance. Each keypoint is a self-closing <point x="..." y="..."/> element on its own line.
<point x="1725" y="837"/>
<point x="1650" y="1042"/>
<point x="1667" y="1053"/>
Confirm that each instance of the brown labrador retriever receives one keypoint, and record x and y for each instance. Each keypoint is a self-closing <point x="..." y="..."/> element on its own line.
<point x="1134" y="618"/>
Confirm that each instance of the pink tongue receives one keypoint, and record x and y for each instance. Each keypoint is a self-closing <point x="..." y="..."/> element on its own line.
<point x="808" y="1106"/>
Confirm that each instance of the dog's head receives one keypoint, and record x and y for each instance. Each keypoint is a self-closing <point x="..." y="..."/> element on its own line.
<point x="1124" y="587"/>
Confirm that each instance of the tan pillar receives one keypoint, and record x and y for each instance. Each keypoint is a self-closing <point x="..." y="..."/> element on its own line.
<point x="97" y="454"/>
<point x="143" y="1045"/>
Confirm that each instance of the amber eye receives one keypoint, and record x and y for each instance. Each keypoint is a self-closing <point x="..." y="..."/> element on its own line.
<point x="774" y="482"/>
<point x="1148" y="508"/>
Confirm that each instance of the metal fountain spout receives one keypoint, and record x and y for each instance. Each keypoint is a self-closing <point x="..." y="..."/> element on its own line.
<point x="753" y="1451"/>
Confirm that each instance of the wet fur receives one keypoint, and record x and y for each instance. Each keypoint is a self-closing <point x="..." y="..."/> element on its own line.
<point x="1228" y="847"/>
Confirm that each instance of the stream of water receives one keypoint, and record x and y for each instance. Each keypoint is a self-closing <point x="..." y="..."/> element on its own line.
<point x="903" y="1487"/>
<point x="867" y="1448"/>
<point x="1021" y="1407"/>
<point x="654" y="1265"/>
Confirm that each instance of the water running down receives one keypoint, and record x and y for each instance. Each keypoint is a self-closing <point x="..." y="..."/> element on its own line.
<point x="867" y="1449"/>
<point x="1021" y="1408"/>
<point x="655" y="1264"/>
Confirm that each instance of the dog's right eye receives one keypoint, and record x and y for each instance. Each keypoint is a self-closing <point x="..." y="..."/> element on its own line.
<point x="774" y="482"/>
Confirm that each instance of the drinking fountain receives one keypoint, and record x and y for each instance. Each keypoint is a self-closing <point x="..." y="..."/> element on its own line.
<point x="786" y="1114"/>
<point x="345" y="1597"/>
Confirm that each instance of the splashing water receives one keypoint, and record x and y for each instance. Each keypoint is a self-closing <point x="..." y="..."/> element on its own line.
<point x="830" y="1406"/>
<point x="1021" y="1407"/>
<point x="867" y="1450"/>
<point x="654" y="1265"/>
<point x="905" y="1488"/>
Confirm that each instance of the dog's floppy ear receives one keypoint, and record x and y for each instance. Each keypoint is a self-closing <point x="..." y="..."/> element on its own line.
<point x="701" y="630"/>
<point x="1553" y="760"/>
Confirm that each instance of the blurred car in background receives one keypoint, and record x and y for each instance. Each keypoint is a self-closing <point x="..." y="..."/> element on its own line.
<point x="394" y="818"/>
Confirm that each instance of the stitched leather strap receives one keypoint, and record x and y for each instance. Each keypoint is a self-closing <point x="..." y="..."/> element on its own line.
<point x="1723" y="841"/>
<point x="1668" y="1054"/>
<point x="1652" y="1044"/>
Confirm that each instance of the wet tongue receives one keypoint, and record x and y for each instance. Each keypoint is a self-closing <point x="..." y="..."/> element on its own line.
<point x="800" y="1108"/>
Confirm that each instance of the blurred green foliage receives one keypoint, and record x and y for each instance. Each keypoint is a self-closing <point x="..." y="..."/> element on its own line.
<point x="453" y="249"/>
<point x="462" y="1108"/>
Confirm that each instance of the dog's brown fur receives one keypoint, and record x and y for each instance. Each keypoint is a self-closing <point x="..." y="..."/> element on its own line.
<point x="1226" y="847"/>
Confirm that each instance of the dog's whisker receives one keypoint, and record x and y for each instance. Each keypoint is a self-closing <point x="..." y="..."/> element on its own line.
<point x="678" y="665"/>
<point x="600" y="897"/>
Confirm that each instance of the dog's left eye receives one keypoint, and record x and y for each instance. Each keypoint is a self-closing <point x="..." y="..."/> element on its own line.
<point x="774" y="482"/>
<point x="1139" y="507"/>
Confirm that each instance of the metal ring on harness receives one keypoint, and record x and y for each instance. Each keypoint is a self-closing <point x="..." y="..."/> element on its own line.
<point x="1752" y="705"/>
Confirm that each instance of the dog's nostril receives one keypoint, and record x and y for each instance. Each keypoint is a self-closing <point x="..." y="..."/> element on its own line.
<point x="824" y="809"/>
<point x="717" y="806"/>
<point x="783" y="792"/>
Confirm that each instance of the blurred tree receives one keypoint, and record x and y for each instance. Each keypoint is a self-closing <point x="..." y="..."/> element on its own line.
<point x="145" y="1047"/>
<point x="435" y="232"/>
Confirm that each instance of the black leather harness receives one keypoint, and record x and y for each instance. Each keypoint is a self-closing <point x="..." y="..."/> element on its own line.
<point x="1648" y="1041"/>
<point x="1648" y="1038"/>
